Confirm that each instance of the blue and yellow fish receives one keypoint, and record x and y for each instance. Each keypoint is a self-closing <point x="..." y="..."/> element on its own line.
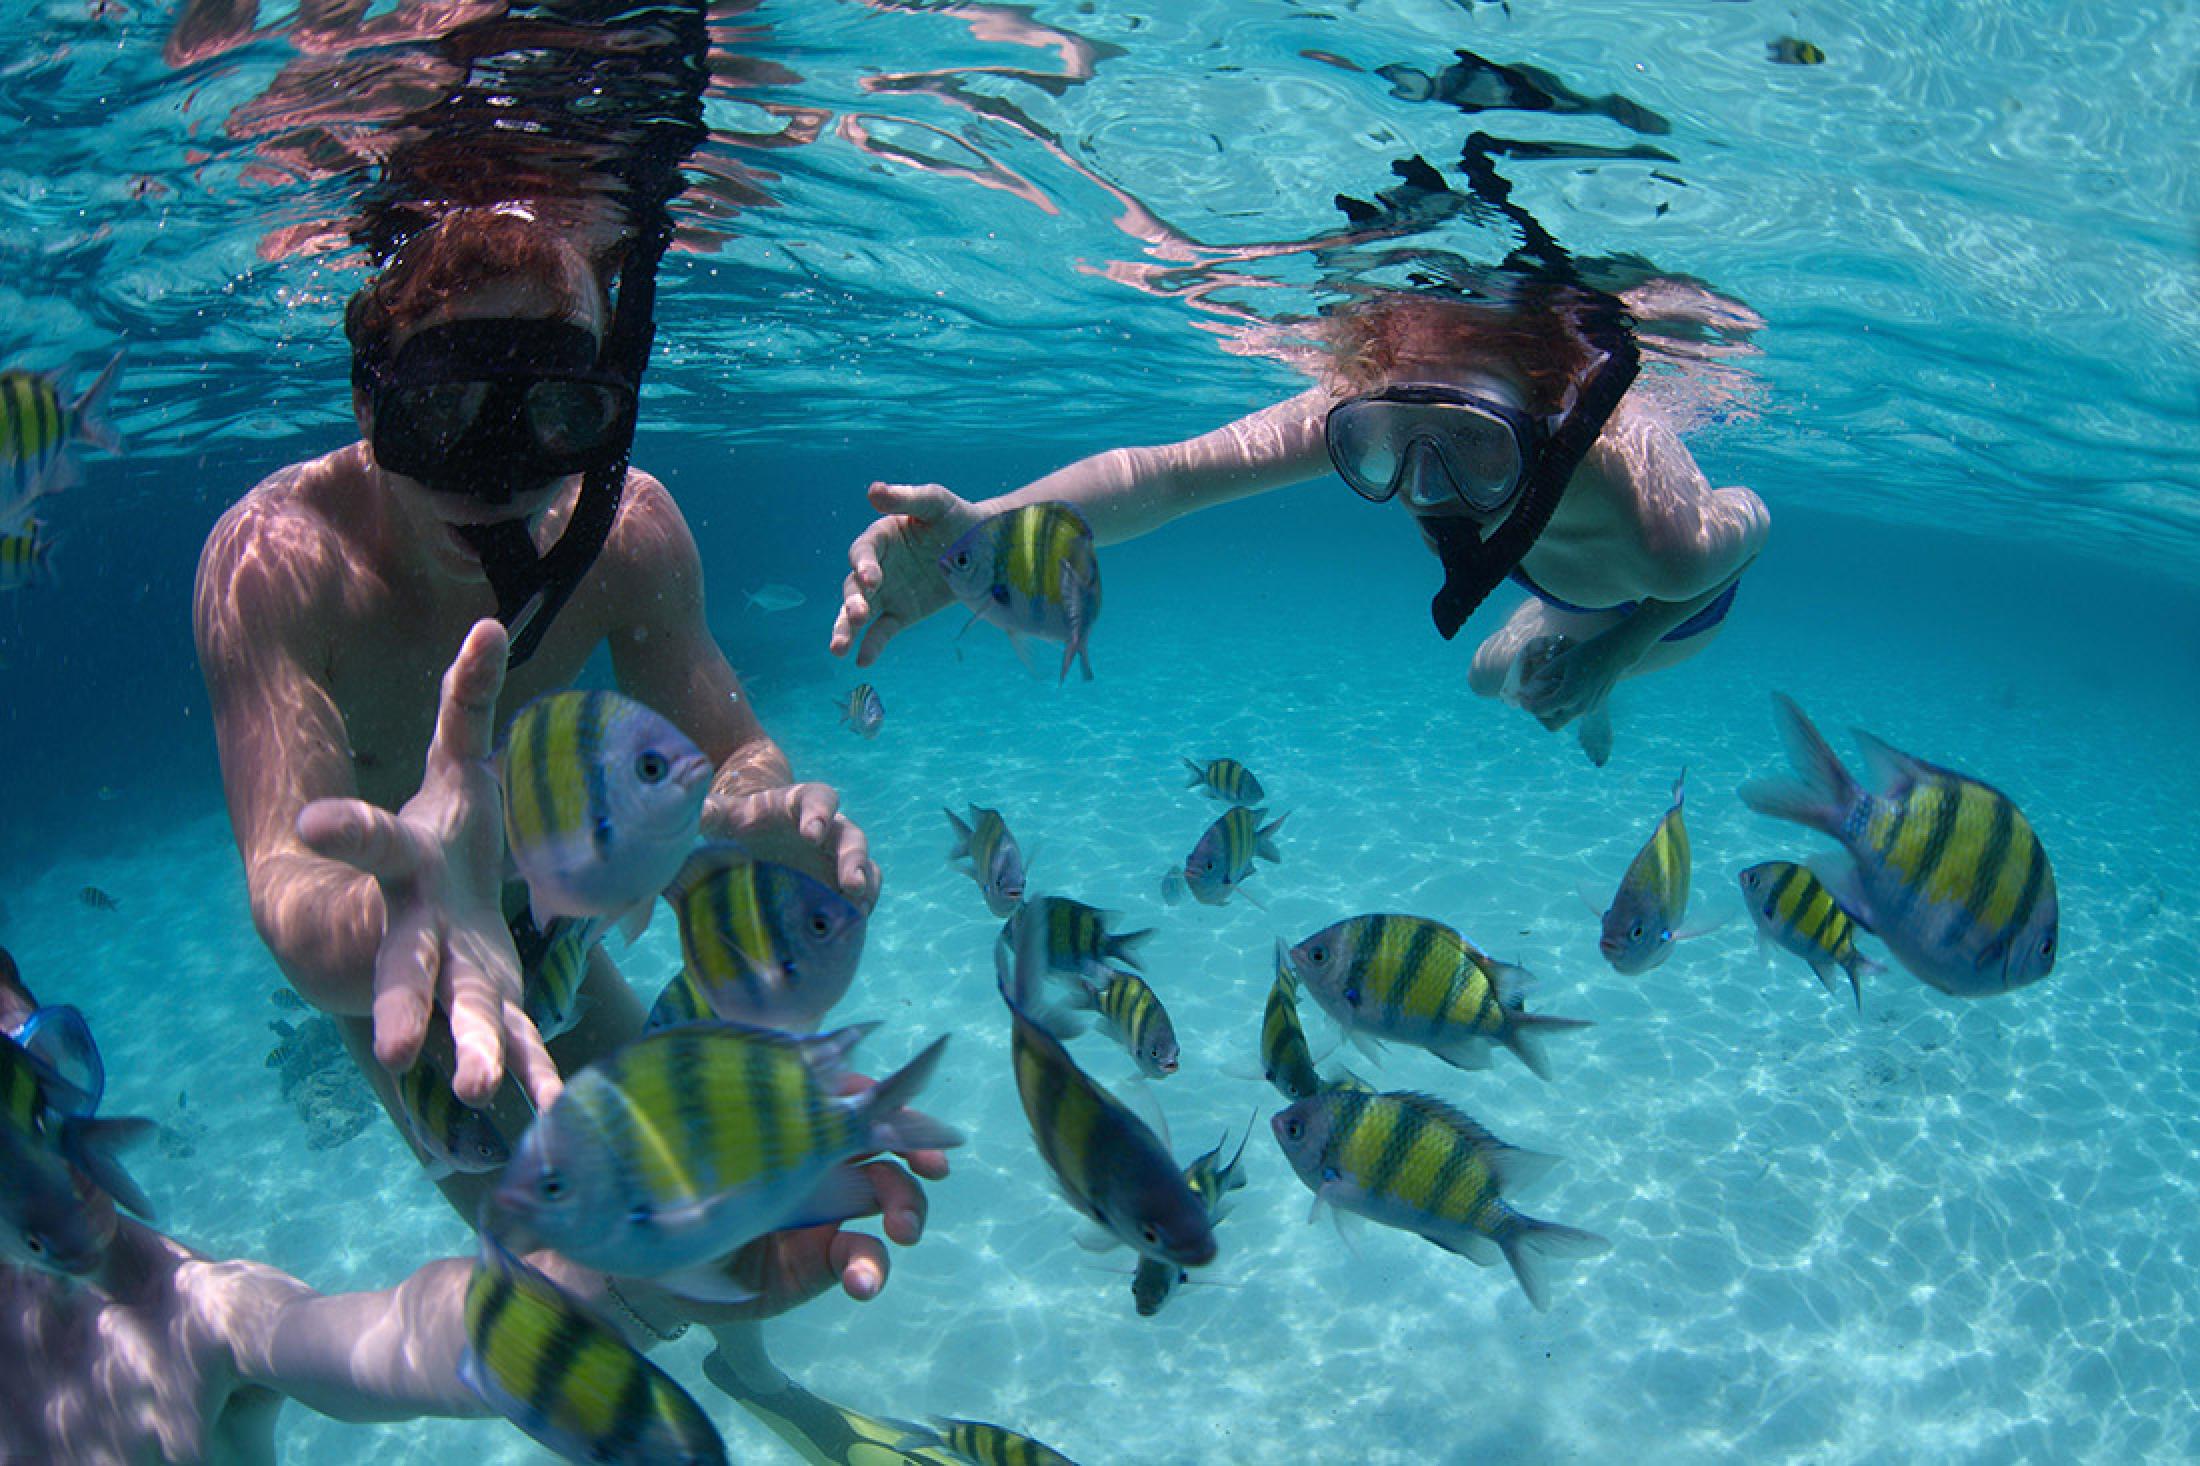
<point x="1942" y="868"/>
<point x="1067" y="936"/>
<point x="1225" y="779"/>
<point x="37" y="429"/>
<point x="538" y="1358"/>
<point x="1285" y="1059"/>
<point x="1795" y="912"/>
<point x="26" y="559"/>
<point x="1132" y="1015"/>
<point x="679" y="1147"/>
<point x="602" y="801"/>
<point x="1418" y="981"/>
<point x="1109" y="1164"/>
<point x="764" y="943"/>
<point x="1031" y="571"/>
<point x="1643" y="921"/>
<point x="863" y="711"/>
<point x="450" y="1135"/>
<point x="996" y="1445"/>
<point x="1413" y="1162"/>
<point x="553" y="968"/>
<point x="1212" y="1180"/>
<point x="996" y="863"/>
<point x="1223" y="858"/>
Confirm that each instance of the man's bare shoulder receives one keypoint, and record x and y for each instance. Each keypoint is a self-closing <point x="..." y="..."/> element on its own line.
<point x="283" y="548"/>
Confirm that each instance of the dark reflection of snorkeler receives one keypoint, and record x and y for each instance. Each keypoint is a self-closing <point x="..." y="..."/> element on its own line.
<point x="331" y="596"/>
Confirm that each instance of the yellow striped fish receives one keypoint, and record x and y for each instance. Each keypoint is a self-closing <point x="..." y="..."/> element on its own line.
<point x="26" y="559"/>
<point x="1110" y="1166"/>
<point x="553" y="965"/>
<point x="1643" y="921"/>
<point x="1285" y="1060"/>
<point x="996" y="864"/>
<point x="686" y="1143"/>
<point x="863" y="711"/>
<point x="538" y="1358"/>
<point x="1134" y="1018"/>
<point x="1032" y="572"/>
<point x="764" y="943"/>
<point x="1418" y="981"/>
<point x="1212" y="1180"/>
<point x="60" y="1042"/>
<point x="451" y="1135"/>
<point x="1942" y="868"/>
<point x="996" y="1445"/>
<point x="1223" y="858"/>
<point x="602" y="798"/>
<point x="1225" y="779"/>
<point x="1795" y="912"/>
<point x="1066" y="936"/>
<point x="36" y="429"/>
<point x="1413" y="1162"/>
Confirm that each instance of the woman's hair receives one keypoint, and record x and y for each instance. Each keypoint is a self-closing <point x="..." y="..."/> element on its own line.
<point x="462" y="251"/>
<point x="1534" y="336"/>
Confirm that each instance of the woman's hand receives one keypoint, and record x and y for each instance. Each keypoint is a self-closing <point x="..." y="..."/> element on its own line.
<point x="440" y="864"/>
<point x="1573" y="680"/>
<point x="894" y="577"/>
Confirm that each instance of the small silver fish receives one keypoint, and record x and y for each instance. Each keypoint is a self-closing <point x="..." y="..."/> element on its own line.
<point x="776" y="597"/>
<point x="863" y="711"/>
<point x="995" y="861"/>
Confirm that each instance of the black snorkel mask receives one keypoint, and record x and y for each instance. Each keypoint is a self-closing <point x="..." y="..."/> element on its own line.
<point x="490" y="410"/>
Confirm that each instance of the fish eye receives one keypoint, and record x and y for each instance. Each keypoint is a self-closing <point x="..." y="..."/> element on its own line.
<point x="962" y="560"/>
<point x="1637" y="932"/>
<point x="819" y="926"/>
<point x="652" y="766"/>
<point x="1317" y="955"/>
<point x="2047" y="945"/>
<point x="550" y="1186"/>
<point x="1150" y="1233"/>
<point x="1293" y="1128"/>
<point x="35" y="1244"/>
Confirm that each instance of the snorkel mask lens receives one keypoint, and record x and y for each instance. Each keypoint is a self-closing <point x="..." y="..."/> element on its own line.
<point x="1468" y="447"/>
<point x="493" y="409"/>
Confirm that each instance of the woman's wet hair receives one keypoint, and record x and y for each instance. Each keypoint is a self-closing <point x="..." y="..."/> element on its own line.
<point x="1530" y="332"/>
<point x="464" y="251"/>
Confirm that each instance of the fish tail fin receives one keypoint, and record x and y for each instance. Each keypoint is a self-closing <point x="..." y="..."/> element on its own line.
<point x="1680" y="787"/>
<point x="1079" y="587"/>
<point x="43" y="569"/>
<point x="1822" y="790"/>
<point x="1857" y="965"/>
<point x="1198" y="775"/>
<point x="1528" y="1241"/>
<point x="902" y="1129"/>
<point x="1173" y="887"/>
<point x="963" y="835"/>
<point x="1525" y="1038"/>
<point x="1123" y="948"/>
<point x="1824" y="971"/>
<point x="1264" y="839"/>
<point x="90" y="411"/>
<point x="91" y="1145"/>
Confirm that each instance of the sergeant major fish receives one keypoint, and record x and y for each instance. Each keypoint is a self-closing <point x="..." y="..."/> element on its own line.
<point x="1285" y="1060"/>
<point x="1942" y="868"/>
<point x="996" y="863"/>
<point x="26" y="559"/>
<point x="764" y="943"/>
<point x="1413" y="1162"/>
<point x="538" y="1358"/>
<point x="1794" y="911"/>
<point x="1225" y="779"/>
<point x="1223" y="858"/>
<point x="1641" y="923"/>
<point x="602" y="800"/>
<point x="1109" y="1165"/>
<point x="1133" y="1017"/>
<point x="1066" y="936"/>
<point x="450" y="1135"/>
<point x="996" y="1445"/>
<point x="553" y="967"/>
<point x="1420" y="982"/>
<point x="863" y="711"/>
<point x="1212" y="1180"/>
<point x="1031" y="571"/>
<point x="37" y="429"/>
<point x="686" y="1143"/>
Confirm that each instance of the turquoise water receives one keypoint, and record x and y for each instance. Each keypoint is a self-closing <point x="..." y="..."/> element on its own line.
<point x="1932" y="1231"/>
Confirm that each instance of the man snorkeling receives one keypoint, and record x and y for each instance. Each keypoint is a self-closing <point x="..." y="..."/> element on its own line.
<point x="1500" y="420"/>
<point x="494" y="386"/>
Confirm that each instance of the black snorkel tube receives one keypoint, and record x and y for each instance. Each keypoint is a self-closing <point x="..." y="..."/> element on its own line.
<point x="1474" y="566"/>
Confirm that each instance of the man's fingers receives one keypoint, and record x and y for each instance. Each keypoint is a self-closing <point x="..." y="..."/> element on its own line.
<point x="860" y="1262"/>
<point x="922" y="502"/>
<point x="360" y="835"/>
<point x="405" y="970"/>
<point x="883" y="630"/>
<point x="854" y="611"/>
<point x="901" y="1201"/>
<point x="529" y="1060"/>
<point x="477" y="1032"/>
<point x="814" y="808"/>
<point x="465" y="719"/>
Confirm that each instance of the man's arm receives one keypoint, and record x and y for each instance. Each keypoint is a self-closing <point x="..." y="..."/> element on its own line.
<point x="665" y="658"/>
<point x="283" y="744"/>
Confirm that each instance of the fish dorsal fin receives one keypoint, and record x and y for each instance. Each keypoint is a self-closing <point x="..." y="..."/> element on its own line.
<point x="1887" y="769"/>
